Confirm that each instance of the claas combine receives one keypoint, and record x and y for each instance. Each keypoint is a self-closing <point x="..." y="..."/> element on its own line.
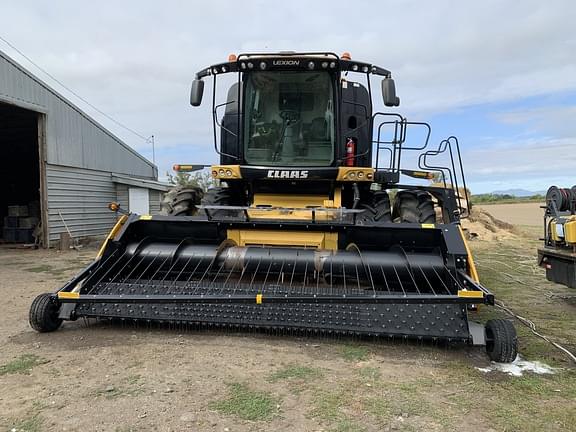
<point x="302" y="235"/>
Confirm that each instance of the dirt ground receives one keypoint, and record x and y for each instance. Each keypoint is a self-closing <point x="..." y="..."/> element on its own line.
<point x="102" y="377"/>
<point x="528" y="213"/>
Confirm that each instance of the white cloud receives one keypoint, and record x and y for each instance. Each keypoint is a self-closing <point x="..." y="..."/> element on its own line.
<point x="135" y="59"/>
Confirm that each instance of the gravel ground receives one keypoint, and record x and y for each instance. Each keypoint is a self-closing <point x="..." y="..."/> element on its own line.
<point x="103" y="377"/>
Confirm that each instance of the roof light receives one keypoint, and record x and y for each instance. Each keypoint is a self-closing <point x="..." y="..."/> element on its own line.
<point x="365" y="69"/>
<point x="232" y="58"/>
<point x="242" y="65"/>
<point x="176" y="167"/>
<point x="223" y="68"/>
<point x="250" y="65"/>
<point x="215" y="70"/>
<point x="324" y="65"/>
<point x="346" y="56"/>
<point x="332" y="65"/>
<point x="311" y="65"/>
<point x="221" y="172"/>
<point x="229" y="173"/>
<point x="263" y="65"/>
<point x="354" y="68"/>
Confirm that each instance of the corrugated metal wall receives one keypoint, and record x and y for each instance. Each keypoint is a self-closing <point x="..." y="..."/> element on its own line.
<point x="82" y="196"/>
<point x="154" y="198"/>
<point x="73" y="138"/>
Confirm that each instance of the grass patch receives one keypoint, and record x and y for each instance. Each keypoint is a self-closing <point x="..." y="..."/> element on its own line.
<point x="29" y="424"/>
<point x="22" y="364"/>
<point x="354" y="353"/>
<point x="369" y="374"/>
<point x="247" y="404"/>
<point x="339" y="408"/>
<point x="52" y="271"/>
<point x="45" y="268"/>
<point x="295" y="372"/>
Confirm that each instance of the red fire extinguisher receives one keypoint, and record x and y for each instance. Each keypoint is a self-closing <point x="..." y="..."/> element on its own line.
<point x="350" y="152"/>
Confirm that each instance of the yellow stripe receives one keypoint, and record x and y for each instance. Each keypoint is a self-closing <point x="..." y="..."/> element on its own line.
<point x="470" y="294"/>
<point x="145" y="217"/>
<point x="428" y="226"/>
<point x="112" y="234"/>
<point x="68" y="295"/>
<point x="258" y="298"/>
<point x="471" y="266"/>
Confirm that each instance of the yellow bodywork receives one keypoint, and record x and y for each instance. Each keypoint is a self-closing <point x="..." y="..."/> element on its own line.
<point x="305" y="239"/>
<point x="112" y="234"/>
<point x="471" y="266"/>
<point x="226" y="172"/>
<point x="295" y="207"/>
<point x="355" y="174"/>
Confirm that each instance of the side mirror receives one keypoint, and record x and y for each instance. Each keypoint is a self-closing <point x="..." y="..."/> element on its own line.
<point x="389" y="93"/>
<point x="196" y="92"/>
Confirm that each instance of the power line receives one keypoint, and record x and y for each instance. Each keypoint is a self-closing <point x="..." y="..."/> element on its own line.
<point x="147" y="139"/>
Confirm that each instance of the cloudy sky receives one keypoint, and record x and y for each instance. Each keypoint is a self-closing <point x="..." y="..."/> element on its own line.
<point x="499" y="74"/>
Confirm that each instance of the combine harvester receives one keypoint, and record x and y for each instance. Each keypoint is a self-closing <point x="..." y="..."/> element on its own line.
<point x="301" y="237"/>
<point x="558" y="256"/>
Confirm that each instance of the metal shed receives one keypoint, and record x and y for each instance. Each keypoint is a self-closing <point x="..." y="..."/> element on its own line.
<point x="59" y="166"/>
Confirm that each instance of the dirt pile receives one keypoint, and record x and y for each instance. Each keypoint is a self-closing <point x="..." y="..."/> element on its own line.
<point x="483" y="226"/>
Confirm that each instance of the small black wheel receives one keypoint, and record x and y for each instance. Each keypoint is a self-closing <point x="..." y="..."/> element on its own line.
<point x="501" y="341"/>
<point x="43" y="315"/>
<point x="414" y="206"/>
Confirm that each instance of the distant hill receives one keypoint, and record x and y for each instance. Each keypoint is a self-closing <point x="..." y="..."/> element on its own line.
<point x="519" y="192"/>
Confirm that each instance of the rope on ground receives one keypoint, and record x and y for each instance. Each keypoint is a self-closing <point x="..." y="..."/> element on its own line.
<point x="532" y="328"/>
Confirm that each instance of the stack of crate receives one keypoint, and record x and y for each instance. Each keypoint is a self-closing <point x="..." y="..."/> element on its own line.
<point x="20" y="223"/>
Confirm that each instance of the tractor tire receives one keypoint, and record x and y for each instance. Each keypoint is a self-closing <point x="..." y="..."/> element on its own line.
<point x="181" y="201"/>
<point x="221" y="196"/>
<point x="377" y="210"/>
<point x="501" y="341"/>
<point x="414" y="206"/>
<point x="43" y="316"/>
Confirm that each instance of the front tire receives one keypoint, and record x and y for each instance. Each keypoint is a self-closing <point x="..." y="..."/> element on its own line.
<point x="182" y="201"/>
<point x="43" y="315"/>
<point x="221" y="196"/>
<point x="377" y="210"/>
<point x="414" y="206"/>
<point x="501" y="341"/>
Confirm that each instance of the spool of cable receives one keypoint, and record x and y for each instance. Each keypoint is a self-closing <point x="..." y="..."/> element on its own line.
<point x="561" y="197"/>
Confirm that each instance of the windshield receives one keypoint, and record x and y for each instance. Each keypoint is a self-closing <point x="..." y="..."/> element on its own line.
<point x="289" y="118"/>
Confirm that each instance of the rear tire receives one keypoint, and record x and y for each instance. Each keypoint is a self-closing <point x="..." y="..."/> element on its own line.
<point x="43" y="315"/>
<point x="414" y="206"/>
<point x="377" y="210"/>
<point x="501" y="341"/>
<point x="182" y="201"/>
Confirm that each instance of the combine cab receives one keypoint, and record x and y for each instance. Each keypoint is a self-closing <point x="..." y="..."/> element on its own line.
<point x="303" y="234"/>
